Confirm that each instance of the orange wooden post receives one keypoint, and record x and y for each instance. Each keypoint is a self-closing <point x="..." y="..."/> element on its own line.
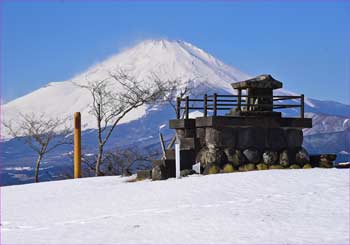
<point x="77" y="145"/>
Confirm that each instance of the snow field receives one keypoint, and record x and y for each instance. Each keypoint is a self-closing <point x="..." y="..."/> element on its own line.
<point x="274" y="206"/>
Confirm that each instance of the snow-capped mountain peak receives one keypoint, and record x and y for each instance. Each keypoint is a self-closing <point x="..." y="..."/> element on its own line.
<point x="168" y="60"/>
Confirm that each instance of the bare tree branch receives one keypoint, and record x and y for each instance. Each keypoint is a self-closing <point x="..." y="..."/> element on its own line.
<point x="114" y="97"/>
<point x="40" y="133"/>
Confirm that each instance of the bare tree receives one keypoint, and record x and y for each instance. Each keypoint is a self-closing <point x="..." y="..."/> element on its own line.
<point x="41" y="133"/>
<point x="114" y="97"/>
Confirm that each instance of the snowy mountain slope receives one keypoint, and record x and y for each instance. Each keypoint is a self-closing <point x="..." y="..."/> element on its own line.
<point x="168" y="60"/>
<point x="262" y="207"/>
<point x="323" y="123"/>
<point x="329" y="134"/>
<point x="329" y="107"/>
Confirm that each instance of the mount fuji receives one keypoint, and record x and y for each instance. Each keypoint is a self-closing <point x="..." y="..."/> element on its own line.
<point x="168" y="60"/>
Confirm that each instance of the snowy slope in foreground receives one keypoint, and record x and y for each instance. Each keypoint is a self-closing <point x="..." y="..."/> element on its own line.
<point x="275" y="206"/>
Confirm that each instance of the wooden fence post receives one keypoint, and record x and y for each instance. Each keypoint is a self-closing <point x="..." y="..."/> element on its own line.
<point x="187" y="107"/>
<point x="239" y="99"/>
<point x="205" y="105"/>
<point x="77" y="145"/>
<point x="302" y="106"/>
<point x="178" y="107"/>
<point x="214" y="105"/>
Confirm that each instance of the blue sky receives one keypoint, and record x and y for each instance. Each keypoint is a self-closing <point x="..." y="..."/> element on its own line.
<point x="305" y="44"/>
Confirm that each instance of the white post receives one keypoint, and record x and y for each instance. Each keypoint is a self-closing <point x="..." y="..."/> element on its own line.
<point x="177" y="160"/>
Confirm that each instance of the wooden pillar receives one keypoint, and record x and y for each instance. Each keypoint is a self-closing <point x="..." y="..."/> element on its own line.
<point x="248" y="99"/>
<point x="302" y="106"/>
<point x="187" y="107"/>
<point x="77" y="145"/>
<point x="205" y="105"/>
<point x="178" y="107"/>
<point x="239" y="99"/>
<point x="215" y="104"/>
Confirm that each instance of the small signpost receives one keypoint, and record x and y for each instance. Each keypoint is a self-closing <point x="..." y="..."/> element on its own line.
<point x="77" y="145"/>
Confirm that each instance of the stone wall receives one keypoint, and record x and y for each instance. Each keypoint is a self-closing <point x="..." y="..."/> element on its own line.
<point x="260" y="138"/>
<point x="250" y="145"/>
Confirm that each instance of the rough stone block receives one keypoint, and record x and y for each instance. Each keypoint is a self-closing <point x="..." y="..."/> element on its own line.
<point x="262" y="166"/>
<point x="213" y="137"/>
<point x="329" y="157"/>
<point x="182" y="123"/>
<point x="229" y="137"/>
<point x="186" y="172"/>
<point x="252" y="155"/>
<point x="211" y="169"/>
<point x="251" y="137"/>
<point x="294" y="166"/>
<point x="302" y="157"/>
<point x="159" y="173"/>
<point x="247" y="167"/>
<point x="200" y="134"/>
<point x="163" y="169"/>
<point x="276" y="139"/>
<point x="234" y="156"/>
<point x="228" y="168"/>
<point x="270" y="157"/>
<point x="200" y="157"/>
<point x="187" y="159"/>
<point x="315" y="160"/>
<point x="284" y="159"/>
<point x="294" y="138"/>
<point x="144" y="174"/>
<point x="180" y="134"/>
<point x="325" y="164"/>
<point x="276" y="167"/>
<point x="187" y="144"/>
<point x="185" y="133"/>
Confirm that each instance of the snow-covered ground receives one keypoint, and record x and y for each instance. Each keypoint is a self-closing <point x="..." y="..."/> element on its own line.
<point x="275" y="206"/>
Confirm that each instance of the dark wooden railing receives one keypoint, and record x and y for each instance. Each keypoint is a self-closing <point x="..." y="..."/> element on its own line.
<point x="218" y="102"/>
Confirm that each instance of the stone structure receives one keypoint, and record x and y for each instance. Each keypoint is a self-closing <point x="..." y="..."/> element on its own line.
<point x="251" y="135"/>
